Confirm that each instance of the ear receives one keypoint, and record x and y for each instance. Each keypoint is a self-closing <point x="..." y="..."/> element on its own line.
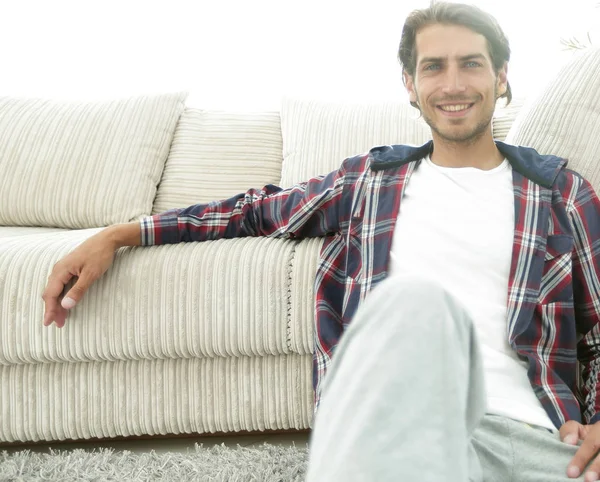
<point x="410" y="86"/>
<point x="502" y="79"/>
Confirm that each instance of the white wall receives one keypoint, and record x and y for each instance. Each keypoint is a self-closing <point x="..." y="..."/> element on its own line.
<point x="247" y="54"/>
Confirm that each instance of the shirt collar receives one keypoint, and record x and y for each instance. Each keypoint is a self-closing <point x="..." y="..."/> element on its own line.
<point x="541" y="169"/>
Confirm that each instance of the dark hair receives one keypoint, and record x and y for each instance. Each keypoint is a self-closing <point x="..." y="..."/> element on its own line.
<point x="454" y="14"/>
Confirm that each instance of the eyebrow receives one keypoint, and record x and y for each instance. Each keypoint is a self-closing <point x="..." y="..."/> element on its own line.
<point x="463" y="58"/>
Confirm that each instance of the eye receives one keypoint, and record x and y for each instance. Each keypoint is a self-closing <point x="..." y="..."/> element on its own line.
<point x="432" y="67"/>
<point x="472" y="63"/>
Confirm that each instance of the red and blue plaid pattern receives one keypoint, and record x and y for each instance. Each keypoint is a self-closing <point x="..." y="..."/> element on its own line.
<point x="554" y="286"/>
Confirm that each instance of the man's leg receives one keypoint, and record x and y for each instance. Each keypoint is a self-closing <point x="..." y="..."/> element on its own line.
<point x="404" y="392"/>
<point x="509" y="450"/>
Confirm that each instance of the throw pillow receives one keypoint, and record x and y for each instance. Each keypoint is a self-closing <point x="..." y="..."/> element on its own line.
<point x="216" y="155"/>
<point x="82" y="165"/>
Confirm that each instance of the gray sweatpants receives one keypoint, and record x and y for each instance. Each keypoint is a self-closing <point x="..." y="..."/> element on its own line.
<point x="404" y="400"/>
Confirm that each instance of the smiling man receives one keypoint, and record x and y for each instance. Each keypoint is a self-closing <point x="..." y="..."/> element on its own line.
<point x="455" y="84"/>
<point x="458" y="292"/>
<point x="462" y="365"/>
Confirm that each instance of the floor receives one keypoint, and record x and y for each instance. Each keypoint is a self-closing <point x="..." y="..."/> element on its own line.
<point x="163" y="445"/>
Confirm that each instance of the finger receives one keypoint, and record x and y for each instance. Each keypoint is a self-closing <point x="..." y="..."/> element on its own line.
<point x="53" y="292"/>
<point x="75" y="294"/>
<point x="57" y="315"/>
<point x="593" y="471"/>
<point x="61" y="318"/>
<point x="570" y="432"/>
<point x="586" y="452"/>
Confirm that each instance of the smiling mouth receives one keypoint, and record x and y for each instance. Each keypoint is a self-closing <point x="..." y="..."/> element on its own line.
<point x="455" y="108"/>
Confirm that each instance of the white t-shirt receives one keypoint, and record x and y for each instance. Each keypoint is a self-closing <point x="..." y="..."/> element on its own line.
<point x="456" y="225"/>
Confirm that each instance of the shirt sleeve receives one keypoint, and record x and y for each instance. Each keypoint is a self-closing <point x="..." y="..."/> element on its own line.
<point x="585" y="216"/>
<point x="308" y="209"/>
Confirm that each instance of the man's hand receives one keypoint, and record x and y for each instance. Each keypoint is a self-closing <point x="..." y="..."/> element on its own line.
<point x="570" y="433"/>
<point x="88" y="262"/>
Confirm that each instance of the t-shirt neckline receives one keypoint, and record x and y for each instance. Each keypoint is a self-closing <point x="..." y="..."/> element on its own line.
<point x="460" y="170"/>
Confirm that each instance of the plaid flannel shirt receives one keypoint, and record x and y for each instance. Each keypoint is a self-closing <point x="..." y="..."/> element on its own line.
<point x="553" y="307"/>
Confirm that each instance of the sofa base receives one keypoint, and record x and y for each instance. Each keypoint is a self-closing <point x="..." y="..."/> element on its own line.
<point x="106" y="400"/>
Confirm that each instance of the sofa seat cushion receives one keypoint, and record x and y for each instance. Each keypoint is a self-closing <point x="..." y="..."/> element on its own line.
<point x="83" y="164"/>
<point x="240" y="297"/>
<point x="58" y="401"/>
<point x="10" y="231"/>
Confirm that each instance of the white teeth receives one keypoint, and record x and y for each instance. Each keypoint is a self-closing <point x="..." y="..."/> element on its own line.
<point x="454" y="108"/>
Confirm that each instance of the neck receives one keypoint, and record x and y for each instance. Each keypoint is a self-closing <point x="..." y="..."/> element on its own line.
<point x="481" y="153"/>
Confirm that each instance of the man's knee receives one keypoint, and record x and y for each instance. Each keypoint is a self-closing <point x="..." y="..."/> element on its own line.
<point x="410" y="287"/>
<point x="408" y="290"/>
<point x="415" y="302"/>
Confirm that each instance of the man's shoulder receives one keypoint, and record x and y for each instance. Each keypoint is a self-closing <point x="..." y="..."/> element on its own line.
<point x="382" y="157"/>
<point x="543" y="169"/>
<point x="549" y="170"/>
<point x="356" y="164"/>
<point x="385" y="157"/>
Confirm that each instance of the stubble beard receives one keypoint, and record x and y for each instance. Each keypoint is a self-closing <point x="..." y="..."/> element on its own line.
<point x="464" y="137"/>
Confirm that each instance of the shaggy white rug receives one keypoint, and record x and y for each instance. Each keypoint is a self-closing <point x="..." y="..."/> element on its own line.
<point x="268" y="463"/>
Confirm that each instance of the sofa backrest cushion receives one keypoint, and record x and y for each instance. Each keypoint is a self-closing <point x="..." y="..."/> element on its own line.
<point x="318" y="136"/>
<point x="82" y="165"/>
<point x="216" y="155"/>
<point x="564" y="119"/>
<point x="504" y="117"/>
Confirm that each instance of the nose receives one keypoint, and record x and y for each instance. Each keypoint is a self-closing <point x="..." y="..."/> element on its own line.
<point x="453" y="81"/>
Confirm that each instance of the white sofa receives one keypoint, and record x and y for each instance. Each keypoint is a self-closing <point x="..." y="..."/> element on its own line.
<point x="194" y="337"/>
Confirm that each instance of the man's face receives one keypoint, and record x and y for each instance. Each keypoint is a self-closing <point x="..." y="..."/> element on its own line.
<point x="455" y="84"/>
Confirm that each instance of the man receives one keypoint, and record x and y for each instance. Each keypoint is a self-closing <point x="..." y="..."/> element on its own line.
<point x="462" y="363"/>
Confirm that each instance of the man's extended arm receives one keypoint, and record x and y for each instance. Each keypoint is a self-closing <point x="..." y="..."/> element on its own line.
<point x="308" y="209"/>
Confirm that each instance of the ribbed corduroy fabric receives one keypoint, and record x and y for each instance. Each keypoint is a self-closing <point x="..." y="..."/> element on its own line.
<point x="82" y="165"/>
<point x="565" y="119"/>
<point x="318" y="136"/>
<point x="504" y="117"/>
<point x="241" y="297"/>
<point x="235" y="314"/>
<point x="216" y="155"/>
<point x="57" y="401"/>
<point x="10" y="231"/>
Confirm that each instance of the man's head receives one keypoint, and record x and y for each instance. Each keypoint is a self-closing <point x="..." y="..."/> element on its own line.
<point x="454" y="59"/>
